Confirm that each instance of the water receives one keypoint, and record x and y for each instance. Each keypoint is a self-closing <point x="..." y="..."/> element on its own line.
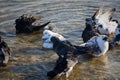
<point x="29" y="61"/>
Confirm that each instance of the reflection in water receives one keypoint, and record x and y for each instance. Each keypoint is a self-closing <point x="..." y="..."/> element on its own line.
<point x="29" y="61"/>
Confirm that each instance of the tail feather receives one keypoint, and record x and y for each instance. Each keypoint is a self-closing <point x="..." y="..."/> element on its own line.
<point x="35" y="28"/>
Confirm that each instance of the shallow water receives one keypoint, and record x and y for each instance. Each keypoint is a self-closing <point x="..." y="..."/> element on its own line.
<point x="29" y="61"/>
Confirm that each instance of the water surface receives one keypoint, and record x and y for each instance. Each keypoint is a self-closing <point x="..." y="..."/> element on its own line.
<point x="29" y="61"/>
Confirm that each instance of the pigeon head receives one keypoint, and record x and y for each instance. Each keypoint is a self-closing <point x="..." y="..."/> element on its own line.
<point x="46" y="38"/>
<point x="103" y="43"/>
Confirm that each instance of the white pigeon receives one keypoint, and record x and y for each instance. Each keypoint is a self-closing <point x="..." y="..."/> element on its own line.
<point x="46" y="38"/>
<point x="98" y="45"/>
<point x="104" y="21"/>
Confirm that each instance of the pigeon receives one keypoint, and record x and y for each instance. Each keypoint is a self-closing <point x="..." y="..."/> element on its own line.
<point x="25" y="24"/>
<point x="4" y="52"/>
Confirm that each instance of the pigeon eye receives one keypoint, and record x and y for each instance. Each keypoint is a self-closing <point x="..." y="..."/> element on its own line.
<point x="106" y="29"/>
